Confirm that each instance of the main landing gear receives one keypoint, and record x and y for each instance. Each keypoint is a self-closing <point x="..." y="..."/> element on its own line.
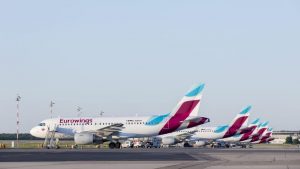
<point x="112" y="145"/>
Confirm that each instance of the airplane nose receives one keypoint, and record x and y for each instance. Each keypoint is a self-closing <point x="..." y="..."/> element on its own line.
<point x="33" y="131"/>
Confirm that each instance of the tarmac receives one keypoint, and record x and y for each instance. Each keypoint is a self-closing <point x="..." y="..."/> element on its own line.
<point x="165" y="158"/>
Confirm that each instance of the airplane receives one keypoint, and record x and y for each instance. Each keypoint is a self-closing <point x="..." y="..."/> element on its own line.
<point x="245" y="136"/>
<point x="112" y="129"/>
<point x="266" y="137"/>
<point x="257" y="134"/>
<point x="203" y="134"/>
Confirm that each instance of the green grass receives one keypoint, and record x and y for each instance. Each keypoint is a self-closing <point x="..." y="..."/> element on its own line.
<point x="273" y="146"/>
<point x="36" y="144"/>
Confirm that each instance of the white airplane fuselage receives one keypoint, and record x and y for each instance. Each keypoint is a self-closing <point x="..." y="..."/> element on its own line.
<point x="133" y="126"/>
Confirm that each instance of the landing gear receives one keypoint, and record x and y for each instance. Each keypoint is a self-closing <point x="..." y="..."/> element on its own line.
<point x="118" y="145"/>
<point x="112" y="145"/>
<point x="186" y="144"/>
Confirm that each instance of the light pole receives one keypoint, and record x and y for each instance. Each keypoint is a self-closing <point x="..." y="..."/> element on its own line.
<point x="79" y="111"/>
<point x="101" y="113"/>
<point x="51" y="107"/>
<point x="18" y="119"/>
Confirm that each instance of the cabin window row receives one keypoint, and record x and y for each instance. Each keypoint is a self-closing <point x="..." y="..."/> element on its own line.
<point x="133" y="123"/>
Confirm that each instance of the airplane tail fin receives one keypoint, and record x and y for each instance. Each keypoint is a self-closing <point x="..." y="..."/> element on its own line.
<point x="260" y="130"/>
<point x="241" y="119"/>
<point x="186" y="107"/>
<point x="255" y="122"/>
<point x="197" y="96"/>
<point x="250" y="128"/>
<point x="238" y="123"/>
<point x="190" y="103"/>
<point x="264" y="125"/>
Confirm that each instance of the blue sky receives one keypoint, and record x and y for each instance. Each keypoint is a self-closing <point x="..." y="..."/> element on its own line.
<point x="140" y="57"/>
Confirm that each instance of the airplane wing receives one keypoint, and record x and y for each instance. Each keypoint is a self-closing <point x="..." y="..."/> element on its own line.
<point x="108" y="130"/>
<point x="184" y="136"/>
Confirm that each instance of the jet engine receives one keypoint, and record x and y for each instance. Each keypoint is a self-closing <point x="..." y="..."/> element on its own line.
<point x="200" y="143"/>
<point x="168" y="140"/>
<point x="87" y="138"/>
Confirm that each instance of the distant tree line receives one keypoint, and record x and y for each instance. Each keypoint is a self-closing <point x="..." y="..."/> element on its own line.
<point x="22" y="136"/>
<point x="290" y="140"/>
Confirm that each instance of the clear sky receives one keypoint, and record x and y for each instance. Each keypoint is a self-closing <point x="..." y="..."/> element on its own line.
<point x="140" y="57"/>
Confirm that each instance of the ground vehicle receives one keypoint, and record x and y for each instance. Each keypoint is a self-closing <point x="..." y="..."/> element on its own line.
<point x="127" y="144"/>
<point x="138" y="144"/>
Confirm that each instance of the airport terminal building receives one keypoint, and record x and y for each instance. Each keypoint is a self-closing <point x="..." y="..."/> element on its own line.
<point x="280" y="136"/>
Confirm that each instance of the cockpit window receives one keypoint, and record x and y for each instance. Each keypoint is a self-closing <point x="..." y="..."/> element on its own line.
<point x="42" y="124"/>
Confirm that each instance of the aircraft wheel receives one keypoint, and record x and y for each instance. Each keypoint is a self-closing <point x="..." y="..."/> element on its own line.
<point x="186" y="145"/>
<point x="112" y="145"/>
<point x="118" y="145"/>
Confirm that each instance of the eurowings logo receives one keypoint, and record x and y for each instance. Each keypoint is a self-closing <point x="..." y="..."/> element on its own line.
<point x="72" y="121"/>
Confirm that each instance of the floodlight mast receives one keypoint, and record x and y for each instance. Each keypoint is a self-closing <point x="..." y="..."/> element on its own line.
<point x="79" y="111"/>
<point x="101" y="113"/>
<point x="51" y="108"/>
<point x="18" y="118"/>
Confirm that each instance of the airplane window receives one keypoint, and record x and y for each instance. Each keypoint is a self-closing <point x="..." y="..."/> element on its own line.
<point x="42" y="124"/>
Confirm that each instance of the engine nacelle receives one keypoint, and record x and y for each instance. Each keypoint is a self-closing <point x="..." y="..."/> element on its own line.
<point x="168" y="140"/>
<point x="87" y="138"/>
<point x="200" y="143"/>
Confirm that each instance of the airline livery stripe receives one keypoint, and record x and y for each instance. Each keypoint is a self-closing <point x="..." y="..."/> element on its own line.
<point x="236" y="125"/>
<point x="183" y="112"/>
<point x="259" y="133"/>
<point x="247" y="135"/>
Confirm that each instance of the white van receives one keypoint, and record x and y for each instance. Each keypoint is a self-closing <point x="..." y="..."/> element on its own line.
<point x="127" y="144"/>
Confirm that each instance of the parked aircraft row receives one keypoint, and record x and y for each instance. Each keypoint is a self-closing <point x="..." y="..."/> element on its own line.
<point x="182" y="124"/>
